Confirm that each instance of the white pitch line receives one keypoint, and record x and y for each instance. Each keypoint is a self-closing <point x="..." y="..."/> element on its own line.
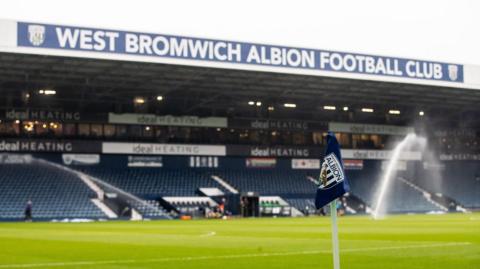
<point x="408" y="247"/>
<point x="196" y="258"/>
<point x="208" y="234"/>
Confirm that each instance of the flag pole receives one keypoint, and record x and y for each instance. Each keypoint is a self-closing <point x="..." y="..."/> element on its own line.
<point x="335" y="248"/>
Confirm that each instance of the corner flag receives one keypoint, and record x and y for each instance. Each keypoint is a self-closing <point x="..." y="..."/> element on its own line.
<point x="333" y="182"/>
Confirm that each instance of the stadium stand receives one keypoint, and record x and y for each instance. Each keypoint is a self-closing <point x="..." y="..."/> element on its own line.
<point x="57" y="193"/>
<point x="149" y="208"/>
<point x="153" y="182"/>
<point x="291" y="185"/>
<point x="54" y="193"/>
<point x="401" y="197"/>
<point x="458" y="179"/>
<point x="270" y="181"/>
<point x="303" y="204"/>
<point x="158" y="130"/>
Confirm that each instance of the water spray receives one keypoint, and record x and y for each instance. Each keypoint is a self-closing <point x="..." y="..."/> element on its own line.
<point x="408" y="141"/>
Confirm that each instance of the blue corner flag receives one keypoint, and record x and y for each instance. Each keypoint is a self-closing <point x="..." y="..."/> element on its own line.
<point x="333" y="182"/>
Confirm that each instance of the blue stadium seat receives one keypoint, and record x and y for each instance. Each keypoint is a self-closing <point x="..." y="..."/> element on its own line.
<point x="271" y="181"/>
<point x="155" y="182"/>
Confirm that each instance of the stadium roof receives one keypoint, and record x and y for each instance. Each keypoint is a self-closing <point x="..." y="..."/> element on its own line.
<point x="192" y="89"/>
<point x="104" y="70"/>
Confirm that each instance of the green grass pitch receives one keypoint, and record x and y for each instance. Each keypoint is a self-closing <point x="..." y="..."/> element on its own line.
<point x="403" y="242"/>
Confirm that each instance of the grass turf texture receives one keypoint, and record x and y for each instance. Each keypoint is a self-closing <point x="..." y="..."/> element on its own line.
<point x="408" y="241"/>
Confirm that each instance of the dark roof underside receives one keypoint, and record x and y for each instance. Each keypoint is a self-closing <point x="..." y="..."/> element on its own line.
<point x="102" y="85"/>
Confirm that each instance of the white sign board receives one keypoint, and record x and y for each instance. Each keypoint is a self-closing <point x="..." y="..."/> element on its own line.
<point x="379" y="154"/>
<point x="162" y="149"/>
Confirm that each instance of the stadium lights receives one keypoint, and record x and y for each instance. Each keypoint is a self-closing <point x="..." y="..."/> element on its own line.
<point x="47" y="92"/>
<point x="28" y="126"/>
<point x="394" y="112"/>
<point x="421" y="113"/>
<point x="345" y="108"/>
<point x="367" y="110"/>
<point x="139" y="100"/>
<point x="53" y="125"/>
<point x="290" y="105"/>
<point x="159" y="98"/>
<point x="329" y="107"/>
<point x="254" y="103"/>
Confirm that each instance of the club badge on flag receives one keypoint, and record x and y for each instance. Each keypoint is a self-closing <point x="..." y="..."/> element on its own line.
<point x="333" y="182"/>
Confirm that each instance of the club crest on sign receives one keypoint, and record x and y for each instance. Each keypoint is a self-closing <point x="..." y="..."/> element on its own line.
<point x="331" y="173"/>
<point x="36" y="34"/>
<point x="453" y="72"/>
